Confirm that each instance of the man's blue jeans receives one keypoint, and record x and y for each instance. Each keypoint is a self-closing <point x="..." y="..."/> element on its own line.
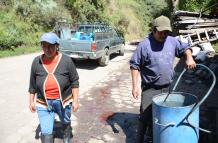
<point x="47" y="115"/>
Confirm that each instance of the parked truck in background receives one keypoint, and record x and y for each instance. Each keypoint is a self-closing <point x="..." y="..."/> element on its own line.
<point x="91" y="41"/>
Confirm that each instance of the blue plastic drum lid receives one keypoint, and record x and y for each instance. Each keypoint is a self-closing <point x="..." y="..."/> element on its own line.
<point x="169" y="125"/>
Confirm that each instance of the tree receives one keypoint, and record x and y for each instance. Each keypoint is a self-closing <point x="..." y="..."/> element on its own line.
<point x="175" y="5"/>
<point x="86" y="10"/>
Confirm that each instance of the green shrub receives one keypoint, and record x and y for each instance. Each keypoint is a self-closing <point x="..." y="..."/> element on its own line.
<point x="25" y="22"/>
<point x="87" y="10"/>
<point x="15" y="32"/>
<point x="8" y="41"/>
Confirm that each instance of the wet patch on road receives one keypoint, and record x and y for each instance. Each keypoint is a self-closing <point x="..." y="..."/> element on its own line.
<point x="109" y="113"/>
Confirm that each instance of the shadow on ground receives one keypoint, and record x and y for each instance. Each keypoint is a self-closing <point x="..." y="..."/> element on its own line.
<point x="57" y="131"/>
<point x="90" y="64"/>
<point x="127" y="122"/>
<point x="86" y="64"/>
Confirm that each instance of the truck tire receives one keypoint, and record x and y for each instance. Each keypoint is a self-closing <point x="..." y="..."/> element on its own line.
<point x="104" y="60"/>
<point x="122" y="49"/>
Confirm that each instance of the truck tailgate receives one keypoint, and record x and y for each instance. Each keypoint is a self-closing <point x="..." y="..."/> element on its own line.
<point x="75" y="45"/>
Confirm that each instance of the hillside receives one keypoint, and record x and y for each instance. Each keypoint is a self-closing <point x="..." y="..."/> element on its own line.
<point x="126" y="10"/>
<point x="134" y="15"/>
<point x="22" y="22"/>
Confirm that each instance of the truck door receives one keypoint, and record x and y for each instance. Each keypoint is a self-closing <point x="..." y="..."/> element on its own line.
<point x="112" y="40"/>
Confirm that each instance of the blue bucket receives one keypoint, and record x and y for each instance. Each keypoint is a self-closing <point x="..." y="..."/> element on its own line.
<point x="176" y="115"/>
<point x="169" y="125"/>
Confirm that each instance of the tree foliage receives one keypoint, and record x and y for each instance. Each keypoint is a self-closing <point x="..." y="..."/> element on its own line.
<point x="86" y="10"/>
<point x="44" y="13"/>
<point x="207" y="6"/>
<point x="23" y="21"/>
<point x="149" y="10"/>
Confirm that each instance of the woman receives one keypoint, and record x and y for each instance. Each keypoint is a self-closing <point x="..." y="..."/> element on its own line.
<point x="55" y="81"/>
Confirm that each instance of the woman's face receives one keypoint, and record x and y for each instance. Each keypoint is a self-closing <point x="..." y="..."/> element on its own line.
<point x="49" y="50"/>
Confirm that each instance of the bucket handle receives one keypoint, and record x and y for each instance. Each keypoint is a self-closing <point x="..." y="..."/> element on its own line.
<point x="166" y="125"/>
<point x="173" y="124"/>
<point x="202" y="100"/>
<point x="206" y="95"/>
<point x="201" y="129"/>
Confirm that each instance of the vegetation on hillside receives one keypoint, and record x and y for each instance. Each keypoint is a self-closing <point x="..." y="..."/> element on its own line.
<point x="23" y="21"/>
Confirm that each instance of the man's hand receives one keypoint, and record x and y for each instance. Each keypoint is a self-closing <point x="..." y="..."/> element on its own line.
<point x="190" y="63"/>
<point x="75" y="106"/>
<point x="32" y="107"/>
<point x="135" y="92"/>
<point x="135" y="88"/>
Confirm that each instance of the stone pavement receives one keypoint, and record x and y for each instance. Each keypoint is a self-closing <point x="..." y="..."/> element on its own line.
<point x="98" y="102"/>
<point x="108" y="113"/>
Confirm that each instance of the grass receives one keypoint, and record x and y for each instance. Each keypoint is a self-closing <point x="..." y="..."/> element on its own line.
<point x="18" y="51"/>
<point x="215" y="46"/>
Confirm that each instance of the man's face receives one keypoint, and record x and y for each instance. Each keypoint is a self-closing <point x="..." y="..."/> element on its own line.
<point x="161" y="36"/>
<point x="49" y="49"/>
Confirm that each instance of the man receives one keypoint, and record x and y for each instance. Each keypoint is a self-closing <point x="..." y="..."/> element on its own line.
<point x="153" y="60"/>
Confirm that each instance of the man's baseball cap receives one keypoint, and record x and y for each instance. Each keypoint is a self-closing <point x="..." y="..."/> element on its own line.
<point x="162" y="23"/>
<point x="51" y="38"/>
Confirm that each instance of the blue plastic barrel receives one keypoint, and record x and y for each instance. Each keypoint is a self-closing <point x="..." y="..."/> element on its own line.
<point x="170" y="121"/>
<point x="176" y="115"/>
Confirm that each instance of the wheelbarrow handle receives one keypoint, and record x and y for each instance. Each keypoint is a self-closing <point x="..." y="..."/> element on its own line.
<point x="208" y="92"/>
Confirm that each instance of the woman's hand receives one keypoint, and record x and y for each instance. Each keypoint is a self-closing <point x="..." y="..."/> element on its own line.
<point x="32" y="107"/>
<point x="75" y="106"/>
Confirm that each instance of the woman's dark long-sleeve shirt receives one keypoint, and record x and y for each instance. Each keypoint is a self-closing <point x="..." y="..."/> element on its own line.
<point x="65" y="74"/>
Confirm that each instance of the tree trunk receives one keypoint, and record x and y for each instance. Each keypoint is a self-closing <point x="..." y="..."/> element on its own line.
<point x="175" y="5"/>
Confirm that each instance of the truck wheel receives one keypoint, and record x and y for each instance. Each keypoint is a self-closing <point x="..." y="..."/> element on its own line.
<point x="104" y="60"/>
<point x="122" y="49"/>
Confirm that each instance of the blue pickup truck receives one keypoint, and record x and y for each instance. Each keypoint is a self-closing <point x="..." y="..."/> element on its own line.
<point x="91" y="41"/>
